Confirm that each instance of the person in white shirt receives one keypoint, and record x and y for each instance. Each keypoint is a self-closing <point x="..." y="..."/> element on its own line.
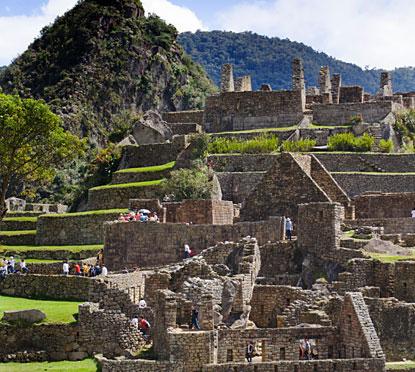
<point x="134" y="321"/>
<point x="187" y="251"/>
<point x="23" y="267"/>
<point x="65" y="268"/>
<point x="104" y="271"/>
<point x="413" y="213"/>
<point x="142" y="304"/>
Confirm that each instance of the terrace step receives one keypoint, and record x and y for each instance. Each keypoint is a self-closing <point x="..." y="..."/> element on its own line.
<point x="24" y="237"/>
<point x="18" y="223"/>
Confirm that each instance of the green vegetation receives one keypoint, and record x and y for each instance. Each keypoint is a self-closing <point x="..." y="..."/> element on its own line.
<point x="154" y="168"/>
<point x="259" y="131"/>
<point x="378" y="173"/>
<point x="87" y="213"/>
<point x="256" y="145"/>
<point x="86" y="365"/>
<point x="56" y="311"/>
<point x="70" y="248"/>
<point x="19" y="219"/>
<point x="17" y="233"/>
<point x="269" y="59"/>
<point x="386" y="146"/>
<point x="349" y="142"/>
<point x="302" y="145"/>
<point x="387" y="258"/>
<point x="405" y="126"/>
<point x="184" y="183"/>
<point x="400" y="365"/>
<point x="33" y="143"/>
<point x="131" y="184"/>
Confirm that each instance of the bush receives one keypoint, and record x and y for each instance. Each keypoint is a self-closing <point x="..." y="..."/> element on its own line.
<point x="188" y="184"/>
<point x="386" y="145"/>
<point x="356" y="119"/>
<point x="303" y="145"/>
<point x="256" y="145"/>
<point x="405" y="124"/>
<point x="349" y="142"/>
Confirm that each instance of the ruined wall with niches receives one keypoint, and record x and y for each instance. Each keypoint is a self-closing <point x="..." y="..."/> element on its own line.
<point x="384" y="205"/>
<point x="154" y="154"/>
<point x="67" y="229"/>
<point x="404" y="283"/>
<point x="144" y="244"/>
<point x="191" y="116"/>
<point x="341" y="114"/>
<point x="351" y="95"/>
<point x="242" y="163"/>
<point x="252" y="110"/>
<point x="237" y="186"/>
<point x="366" y="162"/>
<point x="269" y="301"/>
<point x="355" y="184"/>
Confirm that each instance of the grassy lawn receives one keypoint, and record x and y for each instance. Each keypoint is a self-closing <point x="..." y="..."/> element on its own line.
<point x="70" y="248"/>
<point x="317" y="126"/>
<point x="19" y="232"/>
<point x="387" y="258"/>
<point x="20" y="219"/>
<point x="155" y="168"/>
<point x="400" y="365"/>
<point x="378" y="173"/>
<point x="86" y="365"/>
<point x="87" y="213"/>
<point x="56" y="311"/>
<point x="126" y="185"/>
<point x="262" y="130"/>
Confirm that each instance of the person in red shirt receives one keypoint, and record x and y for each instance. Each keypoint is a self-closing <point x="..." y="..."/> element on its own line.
<point x="144" y="326"/>
<point x="77" y="269"/>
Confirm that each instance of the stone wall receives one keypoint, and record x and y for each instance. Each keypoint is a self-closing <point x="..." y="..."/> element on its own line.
<point x="151" y="244"/>
<point x="252" y="110"/>
<point x="390" y="225"/>
<point x="191" y="116"/>
<point x="351" y="95"/>
<point x="242" y="163"/>
<point x="67" y="229"/>
<point x="237" y="186"/>
<point x="184" y="128"/>
<point x="384" y="205"/>
<point x="341" y="114"/>
<point x="355" y="184"/>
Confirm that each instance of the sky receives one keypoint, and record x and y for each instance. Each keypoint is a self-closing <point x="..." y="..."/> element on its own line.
<point x="369" y="33"/>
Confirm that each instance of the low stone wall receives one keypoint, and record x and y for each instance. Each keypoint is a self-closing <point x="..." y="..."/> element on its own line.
<point x="384" y="205"/>
<point x="237" y="186"/>
<point x="190" y="116"/>
<point x="128" y="177"/>
<point x="21" y="239"/>
<point x="77" y="229"/>
<point x="355" y="184"/>
<point x="153" y="244"/>
<point x="242" y="163"/>
<point x="7" y="225"/>
<point x="390" y="225"/>
<point x="371" y="112"/>
<point x="367" y="162"/>
<point x="58" y="254"/>
<point x="119" y="197"/>
<point x="185" y="128"/>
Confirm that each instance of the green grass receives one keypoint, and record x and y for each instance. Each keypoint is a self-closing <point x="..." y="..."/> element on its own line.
<point x="400" y="365"/>
<point x="87" y="213"/>
<point x="387" y="258"/>
<point x="17" y="233"/>
<point x="378" y="173"/>
<point x="86" y="365"/>
<point x="20" y="219"/>
<point x="257" y="145"/>
<point x="56" y="311"/>
<point x="155" y="168"/>
<point x="70" y="248"/>
<point x="126" y="185"/>
<point x="262" y="130"/>
<point x="317" y="126"/>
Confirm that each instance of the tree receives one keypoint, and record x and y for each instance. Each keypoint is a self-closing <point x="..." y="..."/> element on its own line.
<point x="32" y="143"/>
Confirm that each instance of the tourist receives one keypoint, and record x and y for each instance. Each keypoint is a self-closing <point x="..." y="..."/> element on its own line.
<point x="97" y="269"/>
<point x="85" y="269"/>
<point x="104" y="271"/>
<point x="77" y="269"/>
<point x="144" y="326"/>
<point x="142" y="303"/>
<point x="100" y="257"/>
<point x="143" y="218"/>
<point x="250" y="351"/>
<point x="187" y="251"/>
<point x="288" y="228"/>
<point x="65" y="268"/>
<point x="10" y="265"/>
<point x="195" y="319"/>
<point x="91" y="271"/>
<point x="305" y="348"/>
<point x="23" y="267"/>
<point x="413" y="212"/>
<point x="3" y="272"/>
<point x="134" y="322"/>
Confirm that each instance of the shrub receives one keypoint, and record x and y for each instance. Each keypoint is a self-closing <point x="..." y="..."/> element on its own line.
<point x="386" y="145"/>
<point x="349" y="142"/>
<point x="188" y="184"/>
<point x="356" y="119"/>
<point x="256" y="145"/>
<point x="303" y="145"/>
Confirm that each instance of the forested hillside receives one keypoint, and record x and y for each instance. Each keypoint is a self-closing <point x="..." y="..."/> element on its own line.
<point x="268" y="60"/>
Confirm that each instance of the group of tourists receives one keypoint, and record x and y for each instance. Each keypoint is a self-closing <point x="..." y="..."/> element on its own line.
<point x="84" y="269"/>
<point x="9" y="266"/>
<point x="307" y="350"/>
<point x="142" y="215"/>
<point x="142" y="325"/>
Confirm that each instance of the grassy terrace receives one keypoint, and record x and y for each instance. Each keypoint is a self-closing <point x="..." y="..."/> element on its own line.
<point x="87" y="365"/>
<point x="126" y="185"/>
<point x="56" y="311"/>
<point x="378" y="173"/>
<point x="20" y="219"/>
<point x="281" y="129"/>
<point x="17" y="233"/>
<point x="400" y="365"/>
<point x="69" y="248"/>
<point x="388" y="258"/>
<point x="87" y="213"/>
<point x="155" y="168"/>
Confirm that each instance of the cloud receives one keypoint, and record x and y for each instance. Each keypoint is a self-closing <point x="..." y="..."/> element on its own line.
<point x="17" y="32"/>
<point x="183" y="18"/>
<point x="378" y="33"/>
